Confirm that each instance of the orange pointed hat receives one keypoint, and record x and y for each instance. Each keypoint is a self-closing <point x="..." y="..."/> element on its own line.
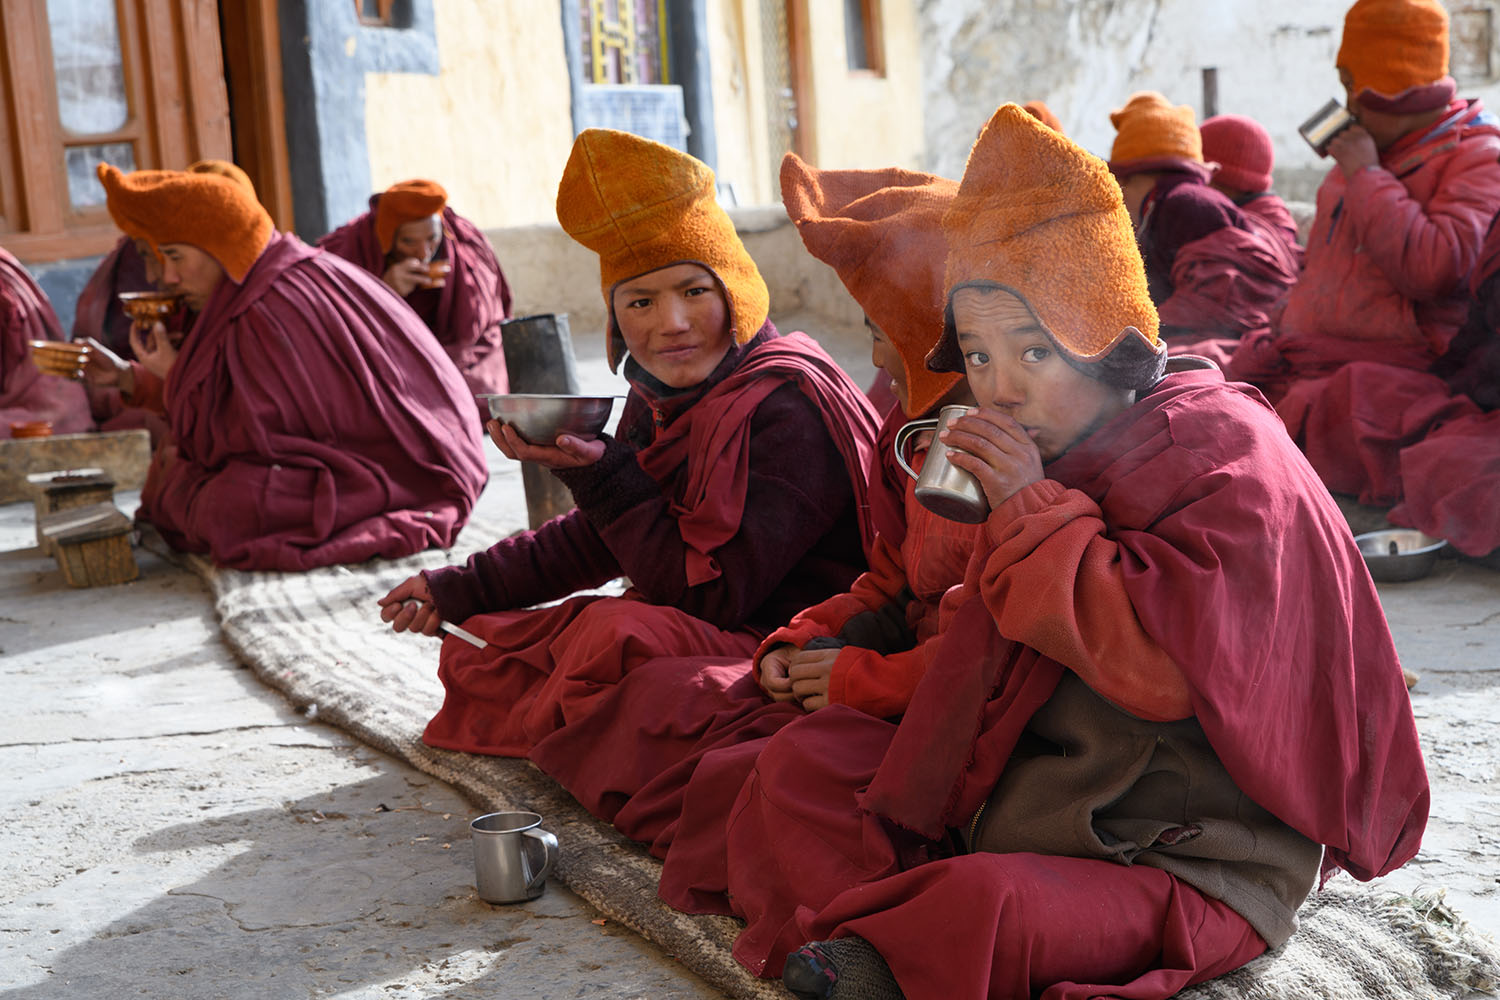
<point x="224" y="169"/>
<point x="1039" y="217"/>
<point x="1397" y="52"/>
<point x="642" y="206"/>
<point x="1151" y="134"/>
<point x="403" y="202"/>
<point x="881" y="230"/>
<point x="207" y="210"/>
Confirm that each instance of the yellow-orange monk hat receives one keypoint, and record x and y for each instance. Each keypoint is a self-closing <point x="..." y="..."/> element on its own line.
<point x="1393" y="48"/>
<point x="881" y="230"/>
<point x="642" y="206"/>
<point x="1152" y="134"/>
<point x="207" y="210"/>
<point x="224" y="169"/>
<point x="1037" y="216"/>
<point x="403" y="202"/>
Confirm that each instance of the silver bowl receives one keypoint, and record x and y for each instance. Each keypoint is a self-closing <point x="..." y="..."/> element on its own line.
<point x="1399" y="554"/>
<point x="540" y="417"/>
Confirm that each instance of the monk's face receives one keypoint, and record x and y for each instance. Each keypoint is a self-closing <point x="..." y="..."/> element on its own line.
<point x="190" y="272"/>
<point x="675" y="322"/>
<point x="1015" y="367"/>
<point x="148" y="259"/>
<point x="419" y="239"/>
<point x="883" y="355"/>
<point x="1135" y="188"/>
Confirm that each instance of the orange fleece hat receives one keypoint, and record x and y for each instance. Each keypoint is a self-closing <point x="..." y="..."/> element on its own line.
<point x="881" y="230"/>
<point x="209" y="211"/>
<point x="405" y="202"/>
<point x="642" y="206"/>
<point x="1043" y="114"/>
<point x="1039" y="217"/>
<point x="1391" y="46"/>
<point x="1150" y="130"/>
<point x="224" y="169"/>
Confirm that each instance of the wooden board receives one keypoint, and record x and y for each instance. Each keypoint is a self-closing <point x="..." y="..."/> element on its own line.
<point x="121" y="455"/>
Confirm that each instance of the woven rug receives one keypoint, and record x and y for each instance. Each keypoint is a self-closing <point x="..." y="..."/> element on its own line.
<point x="316" y="637"/>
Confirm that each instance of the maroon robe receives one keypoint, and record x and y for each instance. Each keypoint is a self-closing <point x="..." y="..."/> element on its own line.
<point x="315" y="421"/>
<point x="719" y="535"/>
<point x="1224" y="542"/>
<point x="465" y="314"/>
<point x="25" y="393"/>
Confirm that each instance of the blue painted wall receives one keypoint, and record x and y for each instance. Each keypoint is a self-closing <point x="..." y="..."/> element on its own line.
<point x="325" y="54"/>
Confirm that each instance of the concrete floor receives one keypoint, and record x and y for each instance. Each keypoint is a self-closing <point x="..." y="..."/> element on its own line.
<point x="174" y="829"/>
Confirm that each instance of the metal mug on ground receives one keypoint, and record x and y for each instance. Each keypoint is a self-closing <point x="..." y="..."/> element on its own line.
<point x="942" y="487"/>
<point x="512" y="857"/>
<point x="1319" y="130"/>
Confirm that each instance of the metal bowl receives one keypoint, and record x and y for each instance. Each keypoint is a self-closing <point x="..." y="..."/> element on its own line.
<point x="539" y="418"/>
<point x="1399" y="554"/>
<point x="146" y="307"/>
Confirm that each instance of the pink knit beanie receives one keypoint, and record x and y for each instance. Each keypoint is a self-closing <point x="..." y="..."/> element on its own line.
<point x="1242" y="148"/>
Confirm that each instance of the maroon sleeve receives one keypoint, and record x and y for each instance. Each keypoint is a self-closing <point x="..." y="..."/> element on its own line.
<point x="560" y="557"/>
<point x="797" y="491"/>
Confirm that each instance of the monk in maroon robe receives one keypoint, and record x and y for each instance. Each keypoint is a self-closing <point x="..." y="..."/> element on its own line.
<point x="731" y="495"/>
<point x="26" y="395"/>
<point x="409" y="229"/>
<point x="1126" y="725"/>
<point x="1352" y="365"/>
<point x="314" y="420"/>
<point x="635" y="757"/>
<point x="1215" y="272"/>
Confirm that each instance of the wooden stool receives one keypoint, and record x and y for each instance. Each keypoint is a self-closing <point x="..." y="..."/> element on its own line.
<point x="66" y="490"/>
<point x="92" y="544"/>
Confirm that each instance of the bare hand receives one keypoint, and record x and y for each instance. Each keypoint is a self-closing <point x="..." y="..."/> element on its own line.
<point x="569" y="451"/>
<point x="1353" y="150"/>
<point x="772" y="672"/>
<point x="153" y="348"/>
<point x="108" y="370"/>
<point x="409" y="608"/>
<point x="995" y="449"/>
<point x="810" y="672"/>
<point x="406" y="275"/>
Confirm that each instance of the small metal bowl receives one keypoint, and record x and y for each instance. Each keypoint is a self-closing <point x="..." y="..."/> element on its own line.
<point x="147" y="307"/>
<point x="1399" y="554"/>
<point x="539" y="418"/>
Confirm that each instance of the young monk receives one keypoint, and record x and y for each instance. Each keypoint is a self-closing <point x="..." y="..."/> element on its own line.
<point x="732" y="494"/>
<point x="409" y="228"/>
<point x="26" y="395"/>
<point x="1245" y="155"/>
<point x="1400" y="222"/>
<point x="1126" y="723"/>
<point x="313" y="420"/>
<point x="131" y="267"/>
<point x="635" y="757"/>
<point x="1213" y="270"/>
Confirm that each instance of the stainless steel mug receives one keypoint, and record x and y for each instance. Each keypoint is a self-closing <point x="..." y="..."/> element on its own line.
<point x="1331" y="119"/>
<point x="512" y="856"/>
<point x="942" y="487"/>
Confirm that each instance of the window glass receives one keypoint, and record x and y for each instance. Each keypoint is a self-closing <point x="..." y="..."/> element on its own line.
<point x="89" y="67"/>
<point x="856" y="35"/>
<point x="84" y="189"/>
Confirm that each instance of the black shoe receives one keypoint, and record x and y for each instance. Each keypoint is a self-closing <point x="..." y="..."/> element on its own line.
<point x="843" y="969"/>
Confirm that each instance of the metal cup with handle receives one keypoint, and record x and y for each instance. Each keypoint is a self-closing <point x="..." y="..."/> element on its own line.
<point x="942" y="487"/>
<point x="1319" y="130"/>
<point x="512" y="856"/>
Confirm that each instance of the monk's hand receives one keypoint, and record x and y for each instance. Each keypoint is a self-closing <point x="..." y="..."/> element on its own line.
<point x="810" y="671"/>
<point x="108" y="370"/>
<point x="996" y="450"/>
<point x="406" y="275"/>
<point x="153" y="348"/>
<point x="772" y="672"/>
<point x="1353" y="149"/>
<point x="409" y="607"/>
<point x="568" y="452"/>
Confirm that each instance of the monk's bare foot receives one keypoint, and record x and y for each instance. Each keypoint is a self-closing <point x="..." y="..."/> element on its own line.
<point x="1411" y="678"/>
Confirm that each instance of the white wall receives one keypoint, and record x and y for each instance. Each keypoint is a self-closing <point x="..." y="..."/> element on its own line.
<point x="1085" y="57"/>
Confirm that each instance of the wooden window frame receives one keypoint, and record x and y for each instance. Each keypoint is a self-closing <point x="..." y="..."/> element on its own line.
<point x="870" y="14"/>
<point x="171" y="59"/>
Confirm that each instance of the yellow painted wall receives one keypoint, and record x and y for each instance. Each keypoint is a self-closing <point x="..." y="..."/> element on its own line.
<point x="739" y="90"/>
<point x="859" y="119"/>
<point x="494" y="127"/>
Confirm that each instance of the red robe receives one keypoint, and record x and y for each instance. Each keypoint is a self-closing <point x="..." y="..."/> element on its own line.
<point x="315" y="421"/>
<point x="25" y="393"/>
<point x="466" y="313"/>
<point x="728" y="558"/>
<point x="1194" y="509"/>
